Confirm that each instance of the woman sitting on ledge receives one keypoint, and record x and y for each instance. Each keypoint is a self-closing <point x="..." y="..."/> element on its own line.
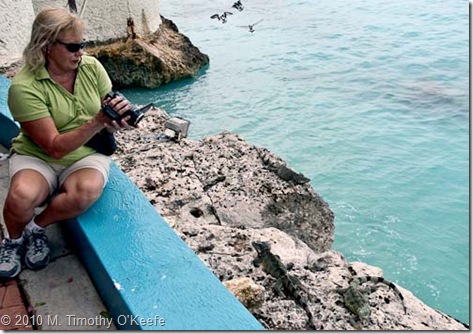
<point x="56" y="97"/>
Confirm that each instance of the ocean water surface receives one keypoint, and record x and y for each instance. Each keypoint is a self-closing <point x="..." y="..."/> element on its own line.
<point x="368" y="99"/>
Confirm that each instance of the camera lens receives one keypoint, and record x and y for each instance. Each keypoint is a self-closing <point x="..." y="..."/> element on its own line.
<point x="137" y="119"/>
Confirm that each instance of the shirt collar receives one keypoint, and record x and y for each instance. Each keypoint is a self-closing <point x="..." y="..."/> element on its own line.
<point x="42" y="73"/>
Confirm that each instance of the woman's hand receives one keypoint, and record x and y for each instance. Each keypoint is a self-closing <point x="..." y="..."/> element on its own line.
<point x="113" y="126"/>
<point x="120" y="105"/>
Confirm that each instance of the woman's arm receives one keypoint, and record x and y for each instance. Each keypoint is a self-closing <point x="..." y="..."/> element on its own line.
<point x="44" y="133"/>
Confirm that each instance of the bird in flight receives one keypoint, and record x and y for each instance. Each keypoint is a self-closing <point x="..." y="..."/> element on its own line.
<point x="222" y="17"/>
<point x="238" y="5"/>
<point x="251" y="26"/>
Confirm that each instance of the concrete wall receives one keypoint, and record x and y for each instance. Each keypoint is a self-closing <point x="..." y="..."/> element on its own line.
<point x="15" y="28"/>
<point x="105" y="19"/>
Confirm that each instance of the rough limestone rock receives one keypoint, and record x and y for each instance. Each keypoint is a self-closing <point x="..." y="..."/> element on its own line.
<point x="247" y="291"/>
<point x="222" y="180"/>
<point x="150" y="60"/>
<point x="221" y="193"/>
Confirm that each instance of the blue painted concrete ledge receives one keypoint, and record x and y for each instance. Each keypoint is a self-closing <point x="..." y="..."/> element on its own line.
<point x="146" y="275"/>
<point x="8" y="128"/>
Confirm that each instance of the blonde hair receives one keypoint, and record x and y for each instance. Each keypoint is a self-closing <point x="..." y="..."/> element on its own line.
<point x="48" y="24"/>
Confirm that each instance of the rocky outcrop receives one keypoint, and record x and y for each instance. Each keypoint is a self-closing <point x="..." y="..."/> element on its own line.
<point x="123" y="41"/>
<point x="220" y="193"/>
<point x="149" y="60"/>
<point x="143" y="61"/>
<point x="221" y="180"/>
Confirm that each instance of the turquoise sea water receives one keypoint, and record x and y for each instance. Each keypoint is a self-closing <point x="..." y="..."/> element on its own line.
<point x="368" y="99"/>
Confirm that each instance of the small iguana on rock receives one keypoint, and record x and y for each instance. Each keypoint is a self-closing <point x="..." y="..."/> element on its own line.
<point x="281" y="170"/>
<point x="356" y="300"/>
<point x="285" y="282"/>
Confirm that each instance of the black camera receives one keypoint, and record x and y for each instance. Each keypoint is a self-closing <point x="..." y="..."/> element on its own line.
<point x="136" y="114"/>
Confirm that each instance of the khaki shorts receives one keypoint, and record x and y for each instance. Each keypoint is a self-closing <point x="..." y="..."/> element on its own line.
<point x="56" y="174"/>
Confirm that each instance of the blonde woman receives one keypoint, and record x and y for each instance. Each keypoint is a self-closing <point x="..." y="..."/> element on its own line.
<point x="56" y="97"/>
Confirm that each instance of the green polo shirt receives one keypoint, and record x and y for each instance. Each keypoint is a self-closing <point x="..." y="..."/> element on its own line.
<point x="34" y="95"/>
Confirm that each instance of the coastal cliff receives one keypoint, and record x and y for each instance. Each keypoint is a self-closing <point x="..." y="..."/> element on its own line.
<point x="137" y="46"/>
<point x="137" y="60"/>
<point x="149" y="60"/>
<point x="221" y="193"/>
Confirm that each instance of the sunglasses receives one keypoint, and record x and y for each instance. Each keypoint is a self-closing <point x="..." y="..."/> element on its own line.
<point x="72" y="47"/>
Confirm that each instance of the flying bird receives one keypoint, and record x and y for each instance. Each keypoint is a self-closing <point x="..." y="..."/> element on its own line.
<point x="250" y="26"/>
<point x="238" y="5"/>
<point x="222" y="17"/>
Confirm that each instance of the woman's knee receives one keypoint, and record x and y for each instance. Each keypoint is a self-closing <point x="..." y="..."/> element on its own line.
<point x="84" y="187"/>
<point x="86" y="192"/>
<point x="23" y="196"/>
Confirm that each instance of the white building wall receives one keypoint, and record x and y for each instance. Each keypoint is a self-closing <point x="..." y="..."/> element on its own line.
<point x="104" y="19"/>
<point x="16" y="18"/>
<point x="107" y="19"/>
